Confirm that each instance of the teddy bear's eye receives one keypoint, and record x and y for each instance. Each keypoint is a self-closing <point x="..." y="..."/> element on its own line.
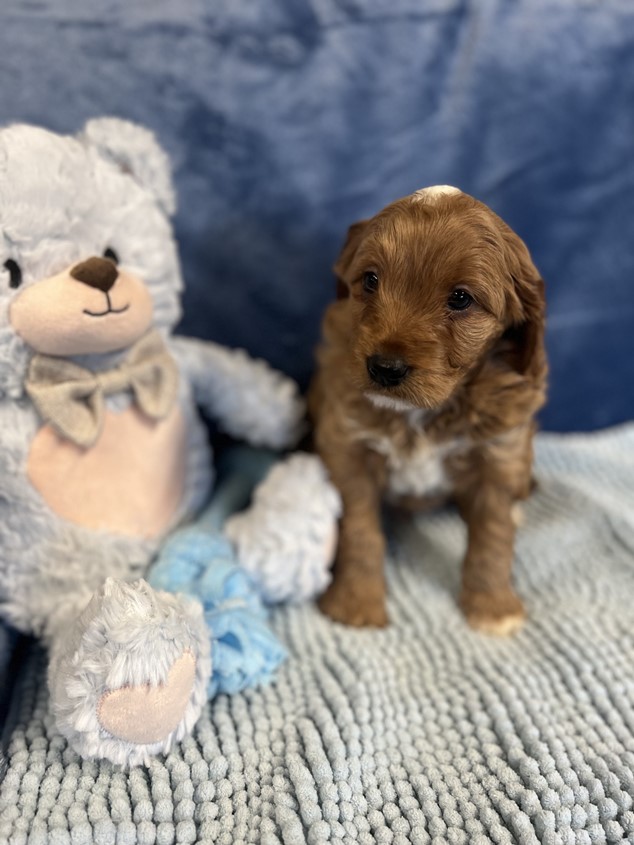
<point x="15" y="274"/>
<point x="111" y="255"/>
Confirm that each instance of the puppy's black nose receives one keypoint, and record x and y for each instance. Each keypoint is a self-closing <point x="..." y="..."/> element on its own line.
<point x="388" y="372"/>
<point x="96" y="273"/>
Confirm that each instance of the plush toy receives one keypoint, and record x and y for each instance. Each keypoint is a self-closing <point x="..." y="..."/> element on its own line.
<point x="268" y="561"/>
<point x="102" y="451"/>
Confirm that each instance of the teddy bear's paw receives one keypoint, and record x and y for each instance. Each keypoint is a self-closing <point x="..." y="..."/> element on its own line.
<point x="129" y="678"/>
<point x="147" y="714"/>
<point x="288" y="537"/>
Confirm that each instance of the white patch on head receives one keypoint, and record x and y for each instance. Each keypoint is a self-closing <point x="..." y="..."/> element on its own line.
<point x="432" y="193"/>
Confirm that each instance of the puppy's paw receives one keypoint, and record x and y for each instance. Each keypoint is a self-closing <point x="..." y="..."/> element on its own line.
<point x="500" y="613"/>
<point x="355" y="602"/>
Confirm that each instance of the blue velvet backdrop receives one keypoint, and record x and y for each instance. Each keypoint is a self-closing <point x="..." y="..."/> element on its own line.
<point x="289" y="119"/>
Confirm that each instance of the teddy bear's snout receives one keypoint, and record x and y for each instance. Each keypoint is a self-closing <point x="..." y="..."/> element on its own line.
<point x="96" y="272"/>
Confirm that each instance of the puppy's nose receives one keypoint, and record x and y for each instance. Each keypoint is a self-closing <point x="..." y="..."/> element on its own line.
<point x="388" y="372"/>
<point x="96" y="273"/>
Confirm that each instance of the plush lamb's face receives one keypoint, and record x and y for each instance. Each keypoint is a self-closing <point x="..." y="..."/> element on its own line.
<point x="87" y="258"/>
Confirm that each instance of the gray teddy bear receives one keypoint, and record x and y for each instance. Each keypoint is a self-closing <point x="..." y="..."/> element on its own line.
<point x="102" y="451"/>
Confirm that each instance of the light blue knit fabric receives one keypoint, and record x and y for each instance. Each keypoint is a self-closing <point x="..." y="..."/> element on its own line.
<point x="423" y="733"/>
<point x="244" y="651"/>
<point x="199" y="561"/>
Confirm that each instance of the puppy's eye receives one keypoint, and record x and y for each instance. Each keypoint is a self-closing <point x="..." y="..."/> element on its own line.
<point x="459" y="300"/>
<point x="111" y="255"/>
<point x="370" y="281"/>
<point x="15" y="273"/>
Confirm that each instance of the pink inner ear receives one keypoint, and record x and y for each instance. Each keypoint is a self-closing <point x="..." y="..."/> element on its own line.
<point x="144" y="715"/>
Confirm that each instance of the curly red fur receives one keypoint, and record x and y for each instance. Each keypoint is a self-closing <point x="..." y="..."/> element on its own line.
<point x="475" y="381"/>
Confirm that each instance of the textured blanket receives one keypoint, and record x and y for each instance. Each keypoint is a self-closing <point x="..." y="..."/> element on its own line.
<point x="8" y="654"/>
<point x="425" y="732"/>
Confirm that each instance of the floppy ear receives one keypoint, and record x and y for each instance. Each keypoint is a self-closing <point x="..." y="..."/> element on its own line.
<point x="523" y="341"/>
<point x="341" y="265"/>
<point x="135" y="150"/>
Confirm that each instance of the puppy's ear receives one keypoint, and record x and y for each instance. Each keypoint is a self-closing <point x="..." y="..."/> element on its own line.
<point x="523" y="342"/>
<point x="341" y="265"/>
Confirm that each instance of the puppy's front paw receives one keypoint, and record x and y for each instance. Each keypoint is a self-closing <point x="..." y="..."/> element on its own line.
<point x="500" y="612"/>
<point x="356" y="602"/>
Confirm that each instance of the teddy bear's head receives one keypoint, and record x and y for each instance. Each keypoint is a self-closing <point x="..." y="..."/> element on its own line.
<point x="88" y="261"/>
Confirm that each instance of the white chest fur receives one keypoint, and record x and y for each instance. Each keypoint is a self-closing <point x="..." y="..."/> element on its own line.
<point x="418" y="470"/>
<point x="416" y="465"/>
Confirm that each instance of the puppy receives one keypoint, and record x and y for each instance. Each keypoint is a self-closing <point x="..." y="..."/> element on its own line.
<point x="430" y="372"/>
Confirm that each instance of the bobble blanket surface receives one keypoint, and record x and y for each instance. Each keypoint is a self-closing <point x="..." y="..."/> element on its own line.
<point x="423" y="733"/>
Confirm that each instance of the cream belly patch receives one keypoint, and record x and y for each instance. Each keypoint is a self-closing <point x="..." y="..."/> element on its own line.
<point x="130" y="482"/>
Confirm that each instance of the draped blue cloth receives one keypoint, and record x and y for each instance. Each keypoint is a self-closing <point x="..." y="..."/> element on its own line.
<point x="287" y="120"/>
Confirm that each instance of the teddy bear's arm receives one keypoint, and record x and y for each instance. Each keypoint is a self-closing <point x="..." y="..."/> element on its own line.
<point x="248" y="398"/>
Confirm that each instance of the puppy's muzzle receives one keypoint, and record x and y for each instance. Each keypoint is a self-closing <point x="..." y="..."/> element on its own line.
<point x="386" y="372"/>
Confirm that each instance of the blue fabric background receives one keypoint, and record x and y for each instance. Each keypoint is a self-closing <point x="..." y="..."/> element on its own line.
<point x="288" y="119"/>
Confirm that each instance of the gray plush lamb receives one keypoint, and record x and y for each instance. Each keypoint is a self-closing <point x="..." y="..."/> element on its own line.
<point x="101" y="449"/>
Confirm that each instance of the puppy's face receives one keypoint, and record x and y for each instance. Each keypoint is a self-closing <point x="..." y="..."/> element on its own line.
<point x="435" y="282"/>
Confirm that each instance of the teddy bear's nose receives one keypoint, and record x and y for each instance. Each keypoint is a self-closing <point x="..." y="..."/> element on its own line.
<point x="96" y="272"/>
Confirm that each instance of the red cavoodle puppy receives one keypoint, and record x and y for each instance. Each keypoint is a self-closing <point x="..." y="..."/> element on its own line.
<point x="430" y="373"/>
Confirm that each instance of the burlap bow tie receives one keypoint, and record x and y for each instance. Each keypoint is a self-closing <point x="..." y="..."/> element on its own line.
<point x="71" y="398"/>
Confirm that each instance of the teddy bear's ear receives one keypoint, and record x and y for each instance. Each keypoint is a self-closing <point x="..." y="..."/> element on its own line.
<point x="135" y="150"/>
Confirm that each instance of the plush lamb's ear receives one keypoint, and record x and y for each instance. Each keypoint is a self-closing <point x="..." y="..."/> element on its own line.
<point x="341" y="265"/>
<point x="524" y="340"/>
<point x="135" y="150"/>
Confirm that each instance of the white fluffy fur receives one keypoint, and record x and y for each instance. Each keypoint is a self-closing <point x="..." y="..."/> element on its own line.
<point x="133" y="149"/>
<point x="129" y="635"/>
<point x="420" y="472"/>
<point x="432" y="193"/>
<point x="287" y="539"/>
<point x="62" y="200"/>
<point x="247" y="398"/>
